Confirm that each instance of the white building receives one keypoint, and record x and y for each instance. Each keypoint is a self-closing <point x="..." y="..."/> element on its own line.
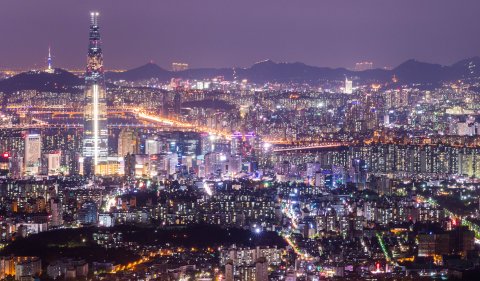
<point x="172" y="163"/>
<point x="348" y="87"/>
<point x="53" y="160"/>
<point x="465" y="129"/>
<point x="152" y="146"/>
<point x="33" y="153"/>
<point x="106" y="220"/>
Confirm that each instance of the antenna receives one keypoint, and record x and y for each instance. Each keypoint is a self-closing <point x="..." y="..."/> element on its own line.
<point x="94" y="18"/>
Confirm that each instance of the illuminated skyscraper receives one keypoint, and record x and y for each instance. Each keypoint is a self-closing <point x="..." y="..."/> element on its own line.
<point x="33" y="153"/>
<point x="95" y="135"/>
<point x="128" y="143"/>
<point x="348" y="87"/>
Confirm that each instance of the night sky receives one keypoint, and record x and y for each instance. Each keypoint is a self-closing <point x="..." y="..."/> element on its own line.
<point x="224" y="33"/>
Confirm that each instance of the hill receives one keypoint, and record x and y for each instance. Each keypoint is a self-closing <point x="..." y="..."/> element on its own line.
<point x="60" y="80"/>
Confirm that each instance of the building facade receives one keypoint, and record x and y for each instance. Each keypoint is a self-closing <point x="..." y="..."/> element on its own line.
<point x="95" y="135"/>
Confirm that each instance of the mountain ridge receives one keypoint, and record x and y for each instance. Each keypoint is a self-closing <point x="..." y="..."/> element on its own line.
<point x="409" y="72"/>
<point x="59" y="80"/>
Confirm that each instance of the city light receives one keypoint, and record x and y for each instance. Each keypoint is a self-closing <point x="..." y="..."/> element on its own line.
<point x="273" y="171"/>
<point x="95" y="124"/>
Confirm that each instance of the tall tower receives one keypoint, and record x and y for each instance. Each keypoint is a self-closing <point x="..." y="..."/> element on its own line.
<point x="95" y="134"/>
<point x="49" y="62"/>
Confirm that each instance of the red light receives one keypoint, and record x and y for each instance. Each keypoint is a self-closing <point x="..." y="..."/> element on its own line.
<point x="6" y="155"/>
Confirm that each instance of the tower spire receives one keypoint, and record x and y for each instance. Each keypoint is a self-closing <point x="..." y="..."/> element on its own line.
<point x="49" y="61"/>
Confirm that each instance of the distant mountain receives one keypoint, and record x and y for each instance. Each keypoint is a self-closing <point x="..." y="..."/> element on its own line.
<point x="203" y="73"/>
<point x="147" y="71"/>
<point x="409" y="72"/>
<point x="286" y="72"/>
<point x="60" y="80"/>
<point x="413" y="71"/>
<point x="151" y="70"/>
<point x="467" y="68"/>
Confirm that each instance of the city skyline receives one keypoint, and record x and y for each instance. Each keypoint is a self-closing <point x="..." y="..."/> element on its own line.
<point x="322" y="34"/>
<point x="275" y="172"/>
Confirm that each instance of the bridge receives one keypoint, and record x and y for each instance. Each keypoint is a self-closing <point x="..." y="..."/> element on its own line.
<point x="311" y="147"/>
<point x="148" y="120"/>
<point x="80" y="126"/>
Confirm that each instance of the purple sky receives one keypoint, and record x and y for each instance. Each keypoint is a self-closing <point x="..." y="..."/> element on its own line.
<point x="219" y="33"/>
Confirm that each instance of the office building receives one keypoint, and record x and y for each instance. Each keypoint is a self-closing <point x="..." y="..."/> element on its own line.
<point x="348" y="89"/>
<point x="128" y="143"/>
<point x="33" y="153"/>
<point x="152" y="146"/>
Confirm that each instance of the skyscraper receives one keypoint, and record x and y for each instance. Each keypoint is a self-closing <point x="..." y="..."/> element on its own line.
<point x="33" y="153"/>
<point x="348" y="86"/>
<point x="152" y="146"/>
<point x="128" y="142"/>
<point x="95" y="134"/>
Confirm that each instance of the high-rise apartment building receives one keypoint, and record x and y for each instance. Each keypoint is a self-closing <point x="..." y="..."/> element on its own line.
<point x="229" y="271"/>
<point x="261" y="269"/>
